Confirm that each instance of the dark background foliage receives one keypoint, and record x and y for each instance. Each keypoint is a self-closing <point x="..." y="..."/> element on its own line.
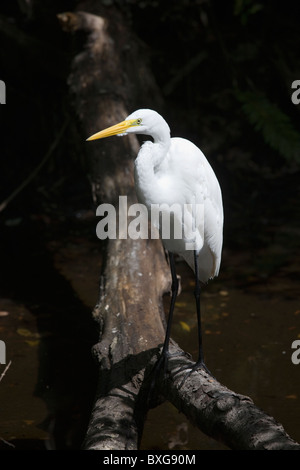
<point x="225" y="71"/>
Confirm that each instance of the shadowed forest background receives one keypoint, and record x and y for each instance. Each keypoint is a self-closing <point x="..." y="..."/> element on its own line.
<point x="225" y="71"/>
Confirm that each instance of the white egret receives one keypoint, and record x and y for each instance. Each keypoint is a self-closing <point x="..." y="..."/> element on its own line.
<point x="174" y="171"/>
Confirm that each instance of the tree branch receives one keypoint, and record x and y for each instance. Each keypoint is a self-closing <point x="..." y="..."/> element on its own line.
<point x="219" y="412"/>
<point x="5" y="370"/>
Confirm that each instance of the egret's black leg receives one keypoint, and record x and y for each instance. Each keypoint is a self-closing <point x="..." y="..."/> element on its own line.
<point x="198" y="309"/>
<point x="165" y="350"/>
<point x="200" y="361"/>
<point x="174" y="290"/>
<point x="199" y="364"/>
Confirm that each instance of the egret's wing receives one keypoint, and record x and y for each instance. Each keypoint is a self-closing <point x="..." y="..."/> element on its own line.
<point x="199" y="186"/>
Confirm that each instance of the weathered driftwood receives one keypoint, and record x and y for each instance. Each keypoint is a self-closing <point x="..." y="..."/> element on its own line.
<point x="108" y="79"/>
<point x="228" y="417"/>
<point x="221" y="413"/>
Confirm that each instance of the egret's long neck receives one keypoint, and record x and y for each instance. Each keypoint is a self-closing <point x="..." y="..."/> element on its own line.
<point x="147" y="164"/>
<point x="160" y="148"/>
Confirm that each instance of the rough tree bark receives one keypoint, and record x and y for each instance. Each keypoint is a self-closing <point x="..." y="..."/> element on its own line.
<point x="109" y="79"/>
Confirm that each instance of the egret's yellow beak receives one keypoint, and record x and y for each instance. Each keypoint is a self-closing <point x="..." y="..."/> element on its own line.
<point x="119" y="128"/>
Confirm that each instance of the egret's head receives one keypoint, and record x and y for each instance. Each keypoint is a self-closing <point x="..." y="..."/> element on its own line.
<point x="142" y="121"/>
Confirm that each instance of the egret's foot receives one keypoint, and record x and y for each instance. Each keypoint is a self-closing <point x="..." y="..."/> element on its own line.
<point x="160" y="364"/>
<point x="163" y="361"/>
<point x="199" y="365"/>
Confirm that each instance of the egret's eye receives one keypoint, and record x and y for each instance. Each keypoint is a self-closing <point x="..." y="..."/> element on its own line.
<point x="139" y="121"/>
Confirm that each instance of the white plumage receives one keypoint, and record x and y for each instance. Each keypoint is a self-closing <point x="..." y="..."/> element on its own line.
<point x="174" y="172"/>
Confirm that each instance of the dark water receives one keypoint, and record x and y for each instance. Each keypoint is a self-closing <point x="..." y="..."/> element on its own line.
<point x="49" y="285"/>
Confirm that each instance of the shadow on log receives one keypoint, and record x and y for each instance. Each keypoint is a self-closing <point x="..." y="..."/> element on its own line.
<point x="108" y="80"/>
